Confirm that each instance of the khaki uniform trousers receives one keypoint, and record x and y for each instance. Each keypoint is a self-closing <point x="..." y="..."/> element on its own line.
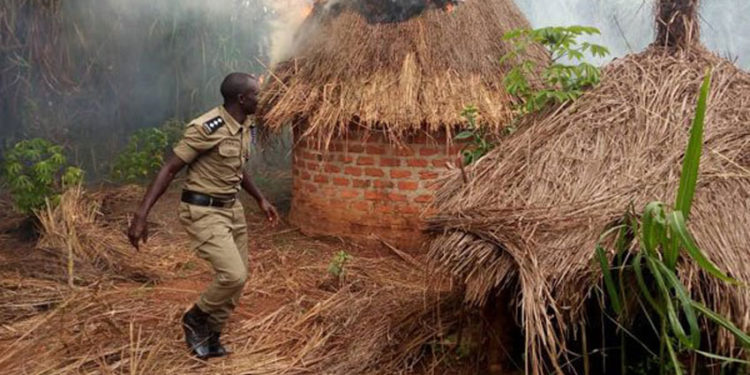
<point x="219" y="235"/>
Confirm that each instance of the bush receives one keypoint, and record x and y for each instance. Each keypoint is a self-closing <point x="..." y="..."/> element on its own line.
<point x="567" y="75"/>
<point x="142" y="157"/>
<point x="563" y="80"/>
<point x="36" y="171"/>
<point x="174" y="129"/>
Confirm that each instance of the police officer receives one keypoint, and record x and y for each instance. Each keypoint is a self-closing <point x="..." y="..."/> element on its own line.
<point x="215" y="147"/>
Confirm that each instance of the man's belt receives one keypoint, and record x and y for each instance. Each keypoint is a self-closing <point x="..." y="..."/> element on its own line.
<point x="200" y="199"/>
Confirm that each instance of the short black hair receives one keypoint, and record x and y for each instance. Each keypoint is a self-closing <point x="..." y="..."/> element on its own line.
<point x="236" y="84"/>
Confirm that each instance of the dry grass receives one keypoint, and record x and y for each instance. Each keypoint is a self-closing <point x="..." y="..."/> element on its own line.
<point x="397" y="78"/>
<point x="77" y="231"/>
<point x="295" y="319"/>
<point x="533" y="210"/>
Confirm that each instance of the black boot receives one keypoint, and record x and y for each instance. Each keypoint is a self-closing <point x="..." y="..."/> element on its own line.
<point x="214" y="345"/>
<point x="195" y="324"/>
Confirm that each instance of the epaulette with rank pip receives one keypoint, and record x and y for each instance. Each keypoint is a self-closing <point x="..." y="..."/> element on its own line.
<point x="214" y="124"/>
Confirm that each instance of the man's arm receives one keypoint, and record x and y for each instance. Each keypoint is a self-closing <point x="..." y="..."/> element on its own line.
<point x="265" y="206"/>
<point x="138" y="228"/>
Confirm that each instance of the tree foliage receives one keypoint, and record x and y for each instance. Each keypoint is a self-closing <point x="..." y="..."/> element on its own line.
<point x="566" y="78"/>
<point x="567" y="75"/>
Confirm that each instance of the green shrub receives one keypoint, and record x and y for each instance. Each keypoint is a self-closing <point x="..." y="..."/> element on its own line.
<point x="35" y="171"/>
<point x="142" y="157"/>
<point x="564" y="79"/>
<point x="174" y="129"/>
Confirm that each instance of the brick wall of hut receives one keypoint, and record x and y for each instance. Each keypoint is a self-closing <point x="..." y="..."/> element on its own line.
<point x="364" y="186"/>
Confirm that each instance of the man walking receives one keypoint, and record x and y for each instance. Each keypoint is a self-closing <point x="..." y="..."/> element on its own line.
<point x="215" y="147"/>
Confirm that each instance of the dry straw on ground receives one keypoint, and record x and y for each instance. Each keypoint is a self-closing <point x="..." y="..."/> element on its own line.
<point x="396" y="77"/>
<point x="532" y="210"/>
<point x="379" y="318"/>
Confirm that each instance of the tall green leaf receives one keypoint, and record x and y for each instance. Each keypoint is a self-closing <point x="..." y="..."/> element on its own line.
<point x="679" y="230"/>
<point x="609" y="282"/>
<point x="689" y="177"/>
<point x="720" y="320"/>
<point x="685" y="303"/>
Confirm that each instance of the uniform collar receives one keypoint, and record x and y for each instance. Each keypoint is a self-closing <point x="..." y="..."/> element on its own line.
<point x="232" y="124"/>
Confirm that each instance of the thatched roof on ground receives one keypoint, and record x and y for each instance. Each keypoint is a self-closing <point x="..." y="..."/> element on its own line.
<point x="532" y="210"/>
<point x="399" y="76"/>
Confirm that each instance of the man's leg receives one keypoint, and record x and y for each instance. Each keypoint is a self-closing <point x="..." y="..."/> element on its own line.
<point x="239" y="234"/>
<point x="212" y="237"/>
<point x="209" y="230"/>
<point x="230" y="275"/>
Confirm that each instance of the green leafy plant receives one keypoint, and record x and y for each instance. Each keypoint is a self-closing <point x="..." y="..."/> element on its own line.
<point x="174" y="129"/>
<point x="142" y="157"/>
<point x="337" y="267"/>
<point x="564" y="79"/>
<point x="663" y="238"/>
<point x="567" y="75"/>
<point x="37" y="171"/>
<point x="475" y="135"/>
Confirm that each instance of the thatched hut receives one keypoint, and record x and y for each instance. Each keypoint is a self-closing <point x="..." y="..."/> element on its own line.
<point x="374" y="93"/>
<point x="527" y="219"/>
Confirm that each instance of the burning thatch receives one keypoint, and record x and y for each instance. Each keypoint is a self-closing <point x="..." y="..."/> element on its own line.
<point x="416" y="71"/>
<point x="532" y="211"/>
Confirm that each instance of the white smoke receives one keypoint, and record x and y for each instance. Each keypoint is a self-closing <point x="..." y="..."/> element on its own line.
<point x="289" y="16"/>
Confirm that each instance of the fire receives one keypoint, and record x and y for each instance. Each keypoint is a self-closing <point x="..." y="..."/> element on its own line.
<point x="307" y="9"/>
<point x="449" y="7"/>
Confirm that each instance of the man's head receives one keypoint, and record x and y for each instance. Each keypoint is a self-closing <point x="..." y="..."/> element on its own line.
<point x="241" y="89"/>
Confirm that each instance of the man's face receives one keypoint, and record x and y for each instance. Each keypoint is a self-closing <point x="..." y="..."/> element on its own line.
<point x="249" y="101"/>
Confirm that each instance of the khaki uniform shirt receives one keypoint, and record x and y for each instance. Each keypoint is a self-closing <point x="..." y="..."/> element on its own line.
<point x="216" y="151"/>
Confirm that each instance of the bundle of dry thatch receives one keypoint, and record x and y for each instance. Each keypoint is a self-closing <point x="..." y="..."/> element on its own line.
<point x="398" y="77"/>
<point x="531" y="212"/>
<point x="76" y="234"/>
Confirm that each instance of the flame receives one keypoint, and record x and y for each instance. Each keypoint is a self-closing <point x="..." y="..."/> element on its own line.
<point x="306" y="11"/>
<point x="449" y="7"/>
<point x="311" y="6"/>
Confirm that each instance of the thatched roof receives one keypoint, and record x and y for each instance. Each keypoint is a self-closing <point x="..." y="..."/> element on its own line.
<point x="399" y="76"/>
<point x="530" y="213"/>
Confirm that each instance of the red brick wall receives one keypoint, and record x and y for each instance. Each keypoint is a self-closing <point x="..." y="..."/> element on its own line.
<point x="363" y="186"/>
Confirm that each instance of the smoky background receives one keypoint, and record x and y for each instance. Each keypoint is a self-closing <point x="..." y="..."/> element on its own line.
<point x="88" y="73"/>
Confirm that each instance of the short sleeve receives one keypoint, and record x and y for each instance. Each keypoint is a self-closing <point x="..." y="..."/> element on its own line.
<point x="193" y="143"/>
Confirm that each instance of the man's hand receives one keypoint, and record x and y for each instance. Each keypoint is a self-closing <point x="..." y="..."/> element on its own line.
<point x="138" y="228"/>
<point x="138" y="231"/>
<point x="270" y="211"/>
